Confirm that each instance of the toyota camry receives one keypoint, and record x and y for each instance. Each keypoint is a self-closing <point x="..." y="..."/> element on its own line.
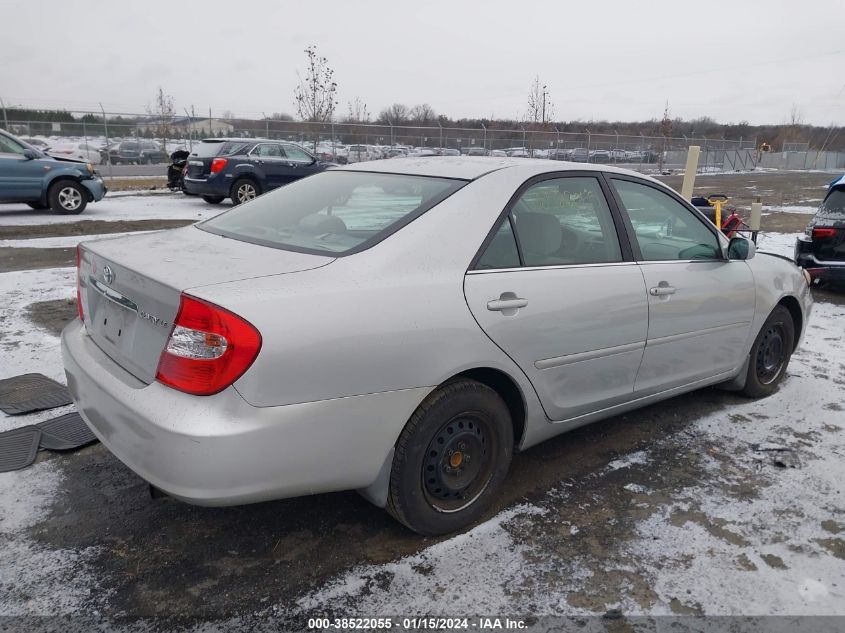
<point x="402" y="327"/>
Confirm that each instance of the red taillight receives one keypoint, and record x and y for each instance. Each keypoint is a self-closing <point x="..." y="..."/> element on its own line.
<point x="79" y="284"/>
<point x="208" y="349"/>
<point x="823" y="233"/>
<point x="218" y="164"/>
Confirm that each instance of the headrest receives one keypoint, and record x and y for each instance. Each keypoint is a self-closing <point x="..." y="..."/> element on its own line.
<point x="318" y="223"/>
<point x="539" y="233"/>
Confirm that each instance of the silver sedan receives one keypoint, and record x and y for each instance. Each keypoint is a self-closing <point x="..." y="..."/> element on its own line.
<point x="401" y="327"/>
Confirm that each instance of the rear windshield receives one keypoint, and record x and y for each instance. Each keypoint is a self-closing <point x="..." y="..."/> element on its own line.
<point x="833" y="207"/>
<point x="334" y="212"/>
<point x="207" y="149"/>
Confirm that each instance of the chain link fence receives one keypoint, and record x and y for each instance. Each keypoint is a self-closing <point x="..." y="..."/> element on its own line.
<point x="644" y="153"/>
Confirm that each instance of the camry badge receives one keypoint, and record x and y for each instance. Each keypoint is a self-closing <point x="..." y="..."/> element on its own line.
<point x="108" y="274"/>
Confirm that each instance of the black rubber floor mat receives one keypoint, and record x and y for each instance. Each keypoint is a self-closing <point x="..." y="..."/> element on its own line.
<point x="65" y="433"/>
<point x="31" y="392"/>
<point x="18" y="448"/>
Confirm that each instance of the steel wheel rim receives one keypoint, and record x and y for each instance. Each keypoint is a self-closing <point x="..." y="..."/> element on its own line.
<point x="70" y="198"/>
<point x="246" y="192"/>
<point x="771" y="354"/>
<point x="458" y="462"/>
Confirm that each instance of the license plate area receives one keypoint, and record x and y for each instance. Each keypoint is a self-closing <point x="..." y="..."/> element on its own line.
<point x="114" y="316"/>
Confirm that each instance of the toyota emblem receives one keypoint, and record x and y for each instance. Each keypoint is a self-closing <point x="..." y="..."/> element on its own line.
<point x="108" y="274"/>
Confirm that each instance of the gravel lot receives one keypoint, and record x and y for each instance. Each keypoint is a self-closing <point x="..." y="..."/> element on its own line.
<point x="705" y="504"/>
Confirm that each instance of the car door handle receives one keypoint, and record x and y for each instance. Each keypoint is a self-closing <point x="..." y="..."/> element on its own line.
<point x="498" y="305"/>
<point x="661" y="291"/>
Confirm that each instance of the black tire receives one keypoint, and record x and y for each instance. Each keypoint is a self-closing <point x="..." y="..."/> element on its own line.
<point x="213" y="199"/>
<point x="38" y="206"/>
<point x="67" y="197"/>
<point x="434" y="487"/>
<point x="770" y="354"/>
<point x="244" y="190"/>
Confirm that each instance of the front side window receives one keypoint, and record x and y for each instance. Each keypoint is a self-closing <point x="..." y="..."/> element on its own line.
<point x="268" y="150"/>
<point x="9" y="145"/>
<point x="664" y="228"/>
<point x="333" y="212"/>
<point x="297" y="154"/>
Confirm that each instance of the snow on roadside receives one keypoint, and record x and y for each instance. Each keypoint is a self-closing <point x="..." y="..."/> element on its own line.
<point x="774" y="553"/>
<point x="803" y="209"/>
<point x="134" y="207"/>
<point x="67" y="241"/>
<point x="35" y="580"/>
<point x="24" y="346"/>
<point x="777" y="243"/>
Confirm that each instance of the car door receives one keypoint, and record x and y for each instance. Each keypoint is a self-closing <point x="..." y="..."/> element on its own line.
<point x="20" y="177"/>
<point x="701" y="304"/>
<point x="555" y="288"/>
<point x="301" y="162"/>
<point x="272" y="164"/>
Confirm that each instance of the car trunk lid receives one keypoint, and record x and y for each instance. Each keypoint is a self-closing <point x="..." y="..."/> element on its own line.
<point x="131" y="286"/>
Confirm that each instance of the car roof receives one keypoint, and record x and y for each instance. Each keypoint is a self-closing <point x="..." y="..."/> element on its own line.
<point x="472" y="167"/>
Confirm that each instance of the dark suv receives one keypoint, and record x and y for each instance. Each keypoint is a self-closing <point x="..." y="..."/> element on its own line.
<point x="140" y="152"/>
<point x="242" y="169"/>
<point x="821" y="250"/>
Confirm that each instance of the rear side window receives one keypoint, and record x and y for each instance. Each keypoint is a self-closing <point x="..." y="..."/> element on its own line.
<point x="501" y="252"/>
<point x="560" y="221"/>
<point x="334" y="212"/>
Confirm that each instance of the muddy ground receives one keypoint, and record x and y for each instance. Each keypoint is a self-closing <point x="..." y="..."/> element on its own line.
<point x="165" y="558"/>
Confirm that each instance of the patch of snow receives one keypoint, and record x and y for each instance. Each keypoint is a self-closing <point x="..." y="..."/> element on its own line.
<point x="35" y="580"/>
<point x="640" y="457"/>
<point x="472" y="572"/>
<point x="803" y="209"/>
<point x="67" y="241"/>
<point x="777" y="243"/>
<point x="130" y="207"/>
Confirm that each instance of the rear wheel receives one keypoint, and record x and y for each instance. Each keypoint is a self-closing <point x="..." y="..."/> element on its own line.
<point x="451" y="459"/>
<point x="244" y="190"/>
<point x="67" y="197"/>
<point x="770" y="354"/>
<point x="213" y="199"/>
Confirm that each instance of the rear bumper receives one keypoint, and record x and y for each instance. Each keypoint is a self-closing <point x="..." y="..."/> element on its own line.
<point x="207" y="186"/>
<point x="219" y="450"/>
<point x="819" y="269"/>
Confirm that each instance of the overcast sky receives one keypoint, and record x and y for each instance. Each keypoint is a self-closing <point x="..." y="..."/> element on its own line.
<point x="618" y="60"/>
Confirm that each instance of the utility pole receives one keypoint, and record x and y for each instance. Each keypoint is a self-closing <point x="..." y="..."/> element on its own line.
<point x="543" y="117"/>
<point x="106" y="129"/>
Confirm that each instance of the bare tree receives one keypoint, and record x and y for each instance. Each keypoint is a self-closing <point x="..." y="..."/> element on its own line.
<point x="315" y="94"/>
<point x="397" y="114"/>
<point x="540" y="108"/>
<point x="280" y="116"/>
<point x="358" y="112"/>
<point x="423" y="114"/>
<point x="162" y="113"/>
<point x="796" y="118"/>
<point x="665" y="132"/>
<point x="228" y="114"/>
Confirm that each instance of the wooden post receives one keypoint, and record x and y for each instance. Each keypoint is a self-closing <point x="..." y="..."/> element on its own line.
<point x="693" y="152"/>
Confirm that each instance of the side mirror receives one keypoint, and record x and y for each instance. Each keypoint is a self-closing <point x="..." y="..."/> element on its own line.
<point x="741" y="248"/>
<point x="29" y="154"/>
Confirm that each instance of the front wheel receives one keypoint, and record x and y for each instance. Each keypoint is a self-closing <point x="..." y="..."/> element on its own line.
<point x="770" y="354"/>
<point x="67" y="197"/>
<point x="451" y="459"/>
<point x="244" y="190"/>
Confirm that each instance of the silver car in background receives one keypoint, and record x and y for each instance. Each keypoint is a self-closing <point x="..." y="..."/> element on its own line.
<point x="401" y="327"/>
